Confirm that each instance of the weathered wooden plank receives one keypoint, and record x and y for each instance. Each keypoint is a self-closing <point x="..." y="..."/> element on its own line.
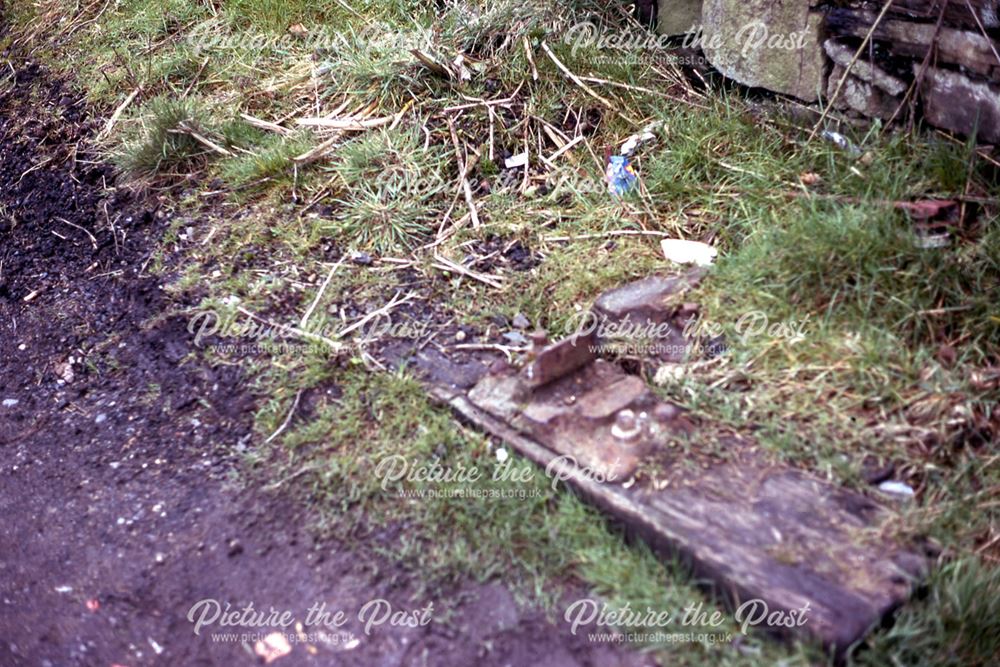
<point x="756" y="531"/>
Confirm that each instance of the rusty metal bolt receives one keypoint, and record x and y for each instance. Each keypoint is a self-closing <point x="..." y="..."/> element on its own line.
<point x="499" y="367"/>
<point x="539" y="339"/>
<point x="665" y="412"/>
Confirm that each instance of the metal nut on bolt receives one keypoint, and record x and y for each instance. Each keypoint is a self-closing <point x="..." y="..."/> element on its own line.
<point x="626" y="426"/>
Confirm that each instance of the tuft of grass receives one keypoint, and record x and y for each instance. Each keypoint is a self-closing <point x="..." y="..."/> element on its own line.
<point x="390" y="190"/>
<point x="574" y="275"/>
<point x="375" y="62"/>
<point x="484" y="29"/>
<point x="278" y="15"/>
<point x="156" y="143"/>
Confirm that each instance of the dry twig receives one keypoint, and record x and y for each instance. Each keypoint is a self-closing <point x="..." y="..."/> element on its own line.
<point x="184" y="128"/>
<point x="319" y="294"/>
<point x="118" y="112"/>
<point x="446" y="264"/>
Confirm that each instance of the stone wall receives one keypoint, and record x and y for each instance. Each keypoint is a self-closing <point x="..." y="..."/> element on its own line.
<point x="802" y="49"/>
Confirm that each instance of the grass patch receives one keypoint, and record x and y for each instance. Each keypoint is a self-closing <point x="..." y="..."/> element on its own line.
<point x="957" y="623"/>
<point x="270" y="157"/>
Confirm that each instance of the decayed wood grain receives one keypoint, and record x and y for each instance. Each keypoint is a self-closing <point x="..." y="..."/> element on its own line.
<point x="753" y="530"/>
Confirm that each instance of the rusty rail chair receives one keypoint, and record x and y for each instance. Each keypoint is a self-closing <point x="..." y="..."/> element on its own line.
<point x="760" y="533"/>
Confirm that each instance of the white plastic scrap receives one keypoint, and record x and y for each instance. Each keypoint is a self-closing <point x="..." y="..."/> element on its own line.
<point x="668" y="374"/>
<point x="930" y="241"/>
<point x="896" y="488"/>
<point x="458" y="65"/>
<point x="840" y="141"/>
<point x="688" y="252"/>
<point x="516" y="161"/>
<point x="632" y="143"/>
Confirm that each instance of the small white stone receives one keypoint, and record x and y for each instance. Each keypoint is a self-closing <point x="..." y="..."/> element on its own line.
<point x="668" y="374"/>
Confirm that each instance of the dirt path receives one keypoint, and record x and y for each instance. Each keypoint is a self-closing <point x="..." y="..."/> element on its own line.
<point x="117" y="497"/>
